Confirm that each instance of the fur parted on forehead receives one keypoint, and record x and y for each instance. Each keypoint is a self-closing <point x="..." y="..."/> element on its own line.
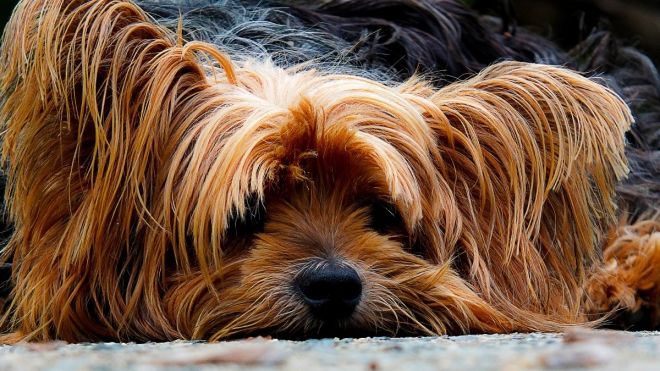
<point x="265" y="130"/>
<point x="131" y="151"/>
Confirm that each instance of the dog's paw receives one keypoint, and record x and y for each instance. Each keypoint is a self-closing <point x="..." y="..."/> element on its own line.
<point x="628" y="283"/>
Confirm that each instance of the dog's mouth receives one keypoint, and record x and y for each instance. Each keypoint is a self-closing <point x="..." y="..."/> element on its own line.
<point x="327" y="329"/>
<point x="350" y="328"/>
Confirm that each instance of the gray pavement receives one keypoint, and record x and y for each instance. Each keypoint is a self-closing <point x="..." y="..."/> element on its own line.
<point x="578" y="349"/>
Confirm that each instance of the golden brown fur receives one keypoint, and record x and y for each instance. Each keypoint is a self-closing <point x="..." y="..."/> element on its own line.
<point x="133" y="157"/>
<point x="629" y="281"/>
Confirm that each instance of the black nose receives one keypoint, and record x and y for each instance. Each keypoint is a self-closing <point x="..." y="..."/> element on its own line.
<point x="331" y="291"/>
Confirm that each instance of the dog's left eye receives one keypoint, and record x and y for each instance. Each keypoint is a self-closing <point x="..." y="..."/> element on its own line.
<point x="384" y="217"/>
<point x="250" y="224"/>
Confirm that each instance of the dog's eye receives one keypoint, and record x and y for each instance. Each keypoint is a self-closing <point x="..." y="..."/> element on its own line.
<point x="384" y="217"/>
<point x="250" y="224"/>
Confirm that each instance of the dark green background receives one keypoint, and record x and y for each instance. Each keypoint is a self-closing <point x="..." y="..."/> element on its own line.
<point x="6" y="7"/>
<point x="637" y="21"/>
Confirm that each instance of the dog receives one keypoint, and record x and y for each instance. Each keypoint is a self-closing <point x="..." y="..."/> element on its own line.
<point x="210" y="189"/>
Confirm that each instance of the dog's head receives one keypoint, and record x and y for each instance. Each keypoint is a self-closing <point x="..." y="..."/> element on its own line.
<point x="159" y="190"/>
<point x="317" y="203"/>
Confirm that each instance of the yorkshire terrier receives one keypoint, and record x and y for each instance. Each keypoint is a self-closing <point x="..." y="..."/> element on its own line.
<point x="271" y="178"/>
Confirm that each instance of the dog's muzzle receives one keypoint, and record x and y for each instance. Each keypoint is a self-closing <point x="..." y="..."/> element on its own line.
<point x="331" y="291"/>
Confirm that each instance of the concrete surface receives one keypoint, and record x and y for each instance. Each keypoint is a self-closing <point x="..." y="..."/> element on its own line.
<point x="579" y="349"/>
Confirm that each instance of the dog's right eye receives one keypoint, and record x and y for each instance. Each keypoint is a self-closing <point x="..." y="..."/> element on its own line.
<point x="384" y="217"/>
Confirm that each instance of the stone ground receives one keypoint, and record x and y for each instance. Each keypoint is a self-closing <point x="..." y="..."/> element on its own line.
<point x="578" y="349"/>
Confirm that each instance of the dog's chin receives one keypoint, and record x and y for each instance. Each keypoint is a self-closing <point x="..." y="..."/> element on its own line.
<point x="348" y="328"/>
<point x="329" y="329"/>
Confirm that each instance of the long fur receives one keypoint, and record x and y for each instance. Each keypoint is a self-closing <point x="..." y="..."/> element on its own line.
<point x="629" y="278"/>
<point x="394" y="39"/>
<point x="134" y="157"/>
<point x="634" y="76"/>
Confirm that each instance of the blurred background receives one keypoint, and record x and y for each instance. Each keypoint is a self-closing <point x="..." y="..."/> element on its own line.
<point x="636" y="22"/>
<point x="6" y="7"/>
<point x="564" y="21"/>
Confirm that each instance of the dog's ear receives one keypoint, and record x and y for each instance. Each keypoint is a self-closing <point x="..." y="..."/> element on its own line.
<point x="90" y="93"/>
<point x="533" y="153"/>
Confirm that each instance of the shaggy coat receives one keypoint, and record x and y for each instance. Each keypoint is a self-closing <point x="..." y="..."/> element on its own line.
<point x="162" y="188"/>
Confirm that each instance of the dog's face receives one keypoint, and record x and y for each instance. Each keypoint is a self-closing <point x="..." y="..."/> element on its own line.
<point x="316" y="260"/>
<point x="319" y="209"/>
